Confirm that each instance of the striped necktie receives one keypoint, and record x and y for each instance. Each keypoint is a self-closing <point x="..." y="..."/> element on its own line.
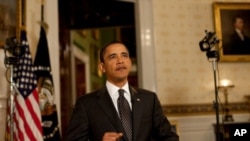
<point x="125" y="114"/>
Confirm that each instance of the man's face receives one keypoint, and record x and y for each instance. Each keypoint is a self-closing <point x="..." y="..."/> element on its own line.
<point x="117" y="63"/>
<point x="239" y="24"/>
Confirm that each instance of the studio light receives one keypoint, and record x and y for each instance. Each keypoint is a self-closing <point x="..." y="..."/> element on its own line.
<point x="209" y="45"/>
<point x="208" y="42"/>
<point x="14" y="47"/>
<point x="13" y="50"/>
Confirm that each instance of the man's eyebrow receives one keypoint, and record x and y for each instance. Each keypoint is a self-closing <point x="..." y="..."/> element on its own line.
<point x="112" y="54"/>
<point x="125" y="53"/>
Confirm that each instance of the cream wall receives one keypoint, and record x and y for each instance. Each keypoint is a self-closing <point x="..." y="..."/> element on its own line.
<point x="183" y="73"/>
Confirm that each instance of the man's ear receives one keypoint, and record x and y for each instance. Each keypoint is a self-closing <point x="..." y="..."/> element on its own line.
<point x="101" y="67"/>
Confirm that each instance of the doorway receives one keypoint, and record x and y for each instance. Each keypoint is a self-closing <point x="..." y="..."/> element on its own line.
<point x="91" y="16"/>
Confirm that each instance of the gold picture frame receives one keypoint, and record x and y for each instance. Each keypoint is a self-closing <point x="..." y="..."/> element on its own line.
<point x="224" y="15"/>
<point x="11" y="19"/>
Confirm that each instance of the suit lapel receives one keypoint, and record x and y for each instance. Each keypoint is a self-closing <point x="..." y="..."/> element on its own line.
<point x="137" y="108"/>
<point x="108" y="108"/>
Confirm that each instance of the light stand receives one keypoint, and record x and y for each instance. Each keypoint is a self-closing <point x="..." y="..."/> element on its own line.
<point x="9" y="63"/>
<point x="209" y="44"/>
<point x="216" y="103"/>
<point x="11" y="101"/>
<point x="12" y="51"/>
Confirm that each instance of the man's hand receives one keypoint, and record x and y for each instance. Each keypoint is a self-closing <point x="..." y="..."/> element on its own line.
<point x="111" y="136"/>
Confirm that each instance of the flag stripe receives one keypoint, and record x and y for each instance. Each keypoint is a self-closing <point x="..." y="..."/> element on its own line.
<point x="27" y="118"/>
<point x="21" y="110"/>
<point x="18" y="134"/>
<point x="30" y="107"/>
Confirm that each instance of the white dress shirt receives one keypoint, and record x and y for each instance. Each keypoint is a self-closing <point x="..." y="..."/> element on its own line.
<point x="113" y="92"/>
<point x="240" y="34"/>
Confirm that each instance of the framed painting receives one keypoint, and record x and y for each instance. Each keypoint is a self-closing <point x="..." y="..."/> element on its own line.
<point x="11" y="19"/>
<point x="232" y="26"/>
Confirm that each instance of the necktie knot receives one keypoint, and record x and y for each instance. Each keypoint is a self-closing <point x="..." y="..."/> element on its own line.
<point x="121" y="92"/>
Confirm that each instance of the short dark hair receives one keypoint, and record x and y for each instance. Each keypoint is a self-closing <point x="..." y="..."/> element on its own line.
<point x="103" y="49"/>
<point x="237" y="17"/>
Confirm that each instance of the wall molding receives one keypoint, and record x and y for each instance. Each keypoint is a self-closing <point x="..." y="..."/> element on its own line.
<point x="203" y="109"/>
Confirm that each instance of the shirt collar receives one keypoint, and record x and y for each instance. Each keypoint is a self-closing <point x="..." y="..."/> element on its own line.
<point x="112" y="89"/>
<point x="238" y="31"/>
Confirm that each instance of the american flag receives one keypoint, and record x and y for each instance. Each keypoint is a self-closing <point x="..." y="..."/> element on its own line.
<point x="27" y="115"/>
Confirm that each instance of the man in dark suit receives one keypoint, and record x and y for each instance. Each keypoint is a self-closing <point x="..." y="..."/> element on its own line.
<point x="239" y="43"/>
<point x="97" y="117"/>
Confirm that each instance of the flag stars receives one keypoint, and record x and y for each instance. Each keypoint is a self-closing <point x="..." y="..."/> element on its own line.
<point x="22" y="79"/>
<point x="25" y="62"/>
<point x="24" y="67"/>
<point x="24" y="42"/>
<point x="25" y="93"/>
<point x="23" y="74"/>
<point x="26" y="80"/>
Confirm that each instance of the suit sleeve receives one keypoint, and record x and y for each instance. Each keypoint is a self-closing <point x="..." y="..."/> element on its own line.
<point x="78" y="126"/>
<point x="162" y="127"/>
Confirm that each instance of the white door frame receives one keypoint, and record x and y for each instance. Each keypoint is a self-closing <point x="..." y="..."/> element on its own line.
<point x="79" y="54"/>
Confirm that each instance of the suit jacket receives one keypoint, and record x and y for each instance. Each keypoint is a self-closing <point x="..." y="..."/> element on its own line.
<point x="236" y="46"/>
<point x="94" y="114"/>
